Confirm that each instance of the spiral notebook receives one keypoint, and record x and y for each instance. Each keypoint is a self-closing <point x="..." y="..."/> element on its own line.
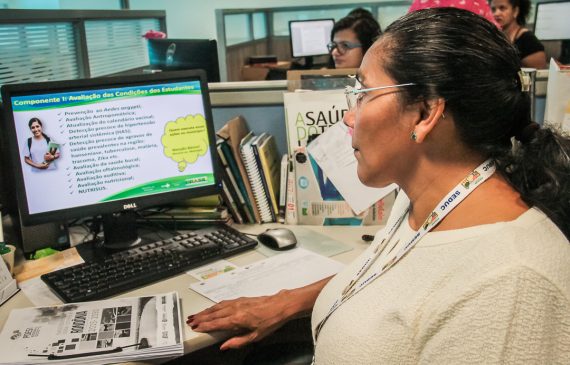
<point x="254" y="172"/>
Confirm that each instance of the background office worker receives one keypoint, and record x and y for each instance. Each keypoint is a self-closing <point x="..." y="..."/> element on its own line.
<point x="441" y="99"/>
<point x="511" y="16"/>
<point x="351" y="37"/>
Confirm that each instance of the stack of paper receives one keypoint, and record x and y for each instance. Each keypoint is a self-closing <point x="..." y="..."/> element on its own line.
<point x="8" y="286"/>
<point x="101" y="332"/>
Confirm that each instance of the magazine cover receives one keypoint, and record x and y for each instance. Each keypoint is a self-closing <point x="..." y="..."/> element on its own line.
<point x="308" y="114"/>
<point x="100" y="332"/>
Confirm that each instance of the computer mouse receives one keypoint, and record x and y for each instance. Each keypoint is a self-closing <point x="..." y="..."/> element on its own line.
<point x="278" y="239"/>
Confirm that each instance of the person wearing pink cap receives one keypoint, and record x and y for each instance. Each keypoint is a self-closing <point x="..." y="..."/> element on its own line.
<point x="479" y="7"/>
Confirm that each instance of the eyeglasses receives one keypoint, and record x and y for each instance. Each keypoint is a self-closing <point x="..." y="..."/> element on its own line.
<point x="342" y="46"/>
<point x="354" y="94"/>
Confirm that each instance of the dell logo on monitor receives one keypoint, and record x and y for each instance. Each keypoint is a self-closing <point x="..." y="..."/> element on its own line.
<point x="130" y="206"/>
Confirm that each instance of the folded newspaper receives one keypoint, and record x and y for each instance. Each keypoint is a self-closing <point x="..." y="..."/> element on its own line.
<point x="101" y="332"/>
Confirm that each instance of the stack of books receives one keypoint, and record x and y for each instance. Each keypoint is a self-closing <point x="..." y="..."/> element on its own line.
<point x="190" y="214"/>
<point x="251" y="173"/>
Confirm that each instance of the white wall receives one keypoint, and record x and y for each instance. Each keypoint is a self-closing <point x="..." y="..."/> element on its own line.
<point x="197" y="18"/>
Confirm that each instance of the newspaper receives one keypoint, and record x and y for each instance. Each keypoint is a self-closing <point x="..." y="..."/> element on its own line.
<point x="100" y="332"/>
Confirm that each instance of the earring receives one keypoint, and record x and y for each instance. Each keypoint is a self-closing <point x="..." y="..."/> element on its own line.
<point x="442" y="115"/>
<point x="413" y="136"/>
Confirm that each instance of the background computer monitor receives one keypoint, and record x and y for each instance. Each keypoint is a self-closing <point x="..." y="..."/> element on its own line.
<point x="310" y="37"/>
<point x="551" y="23"/>
<point x="185" y="54"/>
<point x="124" y="144"/>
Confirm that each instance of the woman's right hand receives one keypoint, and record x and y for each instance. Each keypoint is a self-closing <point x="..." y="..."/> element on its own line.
<point x="250" y="319"/>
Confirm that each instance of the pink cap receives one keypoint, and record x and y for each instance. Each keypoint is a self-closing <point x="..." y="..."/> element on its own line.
<point x="479" y="7"/>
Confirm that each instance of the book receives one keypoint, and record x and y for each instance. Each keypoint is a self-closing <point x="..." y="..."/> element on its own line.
<point x="255" y="179"/>
<point x="237" y="182"/>
<point x="316" y="200"/>
<point x="190" y="213"/>
<point x="283" y="187"/>
<point x="233" y="132"/>
<point x="231" y="204"/>
<point x="8" y="285"/>
<point x="208" y="201"/>
<point x="98" y="332"/>
<point x="53" y="148"/>
<point x="271" y="166"/>
<point x="231" y="192"/>
<point x="262" y="178"/>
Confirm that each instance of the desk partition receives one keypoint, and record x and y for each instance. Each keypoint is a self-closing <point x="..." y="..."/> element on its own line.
<point x="259" y="102"/>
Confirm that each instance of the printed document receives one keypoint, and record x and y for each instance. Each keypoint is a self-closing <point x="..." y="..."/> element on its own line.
<point x="288" y="270"/>
<point x="333" y="151"/>
<point x="100" y="332"/>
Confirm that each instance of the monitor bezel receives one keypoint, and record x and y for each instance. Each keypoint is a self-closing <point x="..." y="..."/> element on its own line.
<point x="291" y="22"/>
<point x="536" y="17"/>
<point x="117" y="206"/>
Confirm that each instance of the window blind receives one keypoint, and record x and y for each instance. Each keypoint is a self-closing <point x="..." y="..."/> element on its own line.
<point x="35" y="52"/>
<point x="117" y="45"/>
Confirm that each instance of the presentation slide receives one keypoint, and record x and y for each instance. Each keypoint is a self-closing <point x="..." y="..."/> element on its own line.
<point x="86" y="147"/>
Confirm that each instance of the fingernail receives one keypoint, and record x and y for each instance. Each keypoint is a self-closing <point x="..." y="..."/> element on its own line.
<point x="194" y="326"/>
<point x="190" y="317"/>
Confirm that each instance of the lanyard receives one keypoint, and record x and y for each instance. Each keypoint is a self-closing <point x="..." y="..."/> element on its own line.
<point x="446" y="205"/>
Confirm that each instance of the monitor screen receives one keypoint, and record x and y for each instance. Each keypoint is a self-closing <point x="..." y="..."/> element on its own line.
<point x="551" y="21"/>
<point x="97" y="146"/>
<point x="310" y="37"/>
<point x="185" y="54"/>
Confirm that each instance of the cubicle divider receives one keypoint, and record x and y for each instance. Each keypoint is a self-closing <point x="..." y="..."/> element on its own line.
<point x="259" y="102"/>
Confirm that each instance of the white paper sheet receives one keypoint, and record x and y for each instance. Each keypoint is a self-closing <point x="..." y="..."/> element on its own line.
<point x="288" y="270"/>
<point x="333" y="151"/>
<point x="212" y="270"/>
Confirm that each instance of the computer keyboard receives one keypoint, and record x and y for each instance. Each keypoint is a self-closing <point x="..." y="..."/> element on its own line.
<point x="145" y="264"/>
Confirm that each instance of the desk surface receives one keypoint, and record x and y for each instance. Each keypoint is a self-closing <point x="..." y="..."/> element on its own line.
<point x="193" y="302"/>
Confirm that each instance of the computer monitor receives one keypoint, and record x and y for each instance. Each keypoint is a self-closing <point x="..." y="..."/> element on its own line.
<point x="110" y="147"/>
<point x="310" y="37"/>
<point x="551" y="24"/>
<point x="185" y="54"/>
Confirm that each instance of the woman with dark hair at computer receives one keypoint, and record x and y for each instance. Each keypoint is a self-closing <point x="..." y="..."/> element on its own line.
<point x="36" y="150"/>
<point x="351" y="37"/>
<point x="511" y="16"/>
<point x="360" y="12"/>
<point x="473" y="263"/>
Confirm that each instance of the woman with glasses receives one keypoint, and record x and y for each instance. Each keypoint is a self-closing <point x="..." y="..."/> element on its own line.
<point x="351" y="37"/>
<point x="472" y="266"/>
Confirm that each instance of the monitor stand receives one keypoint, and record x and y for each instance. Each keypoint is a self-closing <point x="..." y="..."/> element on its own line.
<point x="308" y="63"/>
<point x="120" y="230"/>
<point x="124" y="230"/>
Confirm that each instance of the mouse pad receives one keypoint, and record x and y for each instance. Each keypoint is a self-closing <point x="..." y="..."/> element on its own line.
<point x="312" y="241"/>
